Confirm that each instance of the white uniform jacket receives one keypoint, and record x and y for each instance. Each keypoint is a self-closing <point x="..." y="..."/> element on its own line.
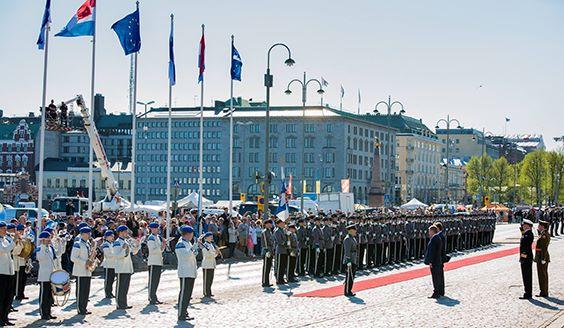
<point x="18" y="261"/>
<point x="155" y="243"/>
<point x="6" y="263"/>
<point x="209" y="253"/>
<point x="79" y="256"/>
<point x="124" y="264"/>
<point x="109" y="257"/>
<point x="186" y="254"/>
<point x="46" y="257"/>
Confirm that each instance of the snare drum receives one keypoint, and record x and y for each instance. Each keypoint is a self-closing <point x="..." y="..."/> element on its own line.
<point x="60" y="283"/>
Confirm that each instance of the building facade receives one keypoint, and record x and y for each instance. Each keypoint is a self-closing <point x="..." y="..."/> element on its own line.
<point x="17" y="145"/>
<point x="333" y="145"/>
<point x="466" y="143"/>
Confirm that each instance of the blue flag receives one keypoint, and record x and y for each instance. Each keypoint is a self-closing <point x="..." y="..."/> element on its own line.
<point x="171" y="66"/>
<point x="236" y="63"/>
<point x="44" y="23"/>
<point x="128" y="32"/>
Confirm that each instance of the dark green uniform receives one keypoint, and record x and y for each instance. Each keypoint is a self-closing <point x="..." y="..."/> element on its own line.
<point x="542" y="258"/>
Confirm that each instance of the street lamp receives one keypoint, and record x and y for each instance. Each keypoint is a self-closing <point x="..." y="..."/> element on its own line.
<point x="241" y="168"/>
<point x="145" y="104"/>
<point x="268" y="82"/>
<point x="448" y="121"/>
<point x="389" y="106"/>
<point x="320" y="91"/>
<point x="485" y="134"/>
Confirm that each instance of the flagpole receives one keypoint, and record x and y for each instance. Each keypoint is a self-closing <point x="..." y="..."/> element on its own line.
<point x="91" y="150"/>
<point x="42" y="136"/>
<point x="231" y="139"/>
<point x="134" y="131"/>
<point x="169" y="146"/>
<point x="201" y="168"/>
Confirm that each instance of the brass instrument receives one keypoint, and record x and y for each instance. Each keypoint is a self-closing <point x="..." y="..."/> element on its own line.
<point x="28" y="246"/>
<point x="132" y="243"/>
<point x="93" y="261"/>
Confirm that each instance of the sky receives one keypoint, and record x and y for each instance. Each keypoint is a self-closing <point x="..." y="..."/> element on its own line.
<point x="477" y="60"/>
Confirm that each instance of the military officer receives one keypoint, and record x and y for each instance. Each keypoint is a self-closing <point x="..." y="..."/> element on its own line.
<point x="156" y="246"/>
<point x="317" y="246"/>
<point x="81" y="251"/>
<point x="542" y="258"/>
<point x="109" y="263"/>
<point x="293" y="249"/>
<point x="209" y="254"/>
<point x="123" y="249"/>
<point x="268" y="252"/>
<point x="302" y="234"/>
<point x="280" y="240"/>
<point x="526" y="258"/>
<point x="350" y="258"/>
<point x="186" y="253"/>
<point x="46" y="256"/>
<point x="328" y="237"/>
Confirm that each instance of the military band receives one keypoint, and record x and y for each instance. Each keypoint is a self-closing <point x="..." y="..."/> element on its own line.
<point x="209" y="253"/>
<point x="156" y="245"/>
<point x="267" y="252"/>
<point x="81" y="257"/>
<point x="7" y="273"/>
<point x="123" y="249"/>
<point x="186" y="252"/>
<point x="46" y="256"/>
<point x="109" y="263"/>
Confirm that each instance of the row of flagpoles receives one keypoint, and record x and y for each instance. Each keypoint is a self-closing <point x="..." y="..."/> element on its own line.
<point x="127" y="29"/>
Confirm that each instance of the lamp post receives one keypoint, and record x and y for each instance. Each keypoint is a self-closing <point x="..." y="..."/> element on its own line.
<point x="484" y="136"/>
<point x="448" y="121"/>
<point x="268" y="83"/>
<point x="320" y="91"/>
<point x="242" y="166"/>
<point x="145" y="104"/>
<point x="389" y="176"/>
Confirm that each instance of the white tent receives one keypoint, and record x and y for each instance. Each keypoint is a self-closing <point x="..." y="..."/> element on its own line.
<point x="191" y="201"/>
<point x="151" y="210"/>
<point x="413" y="205"/>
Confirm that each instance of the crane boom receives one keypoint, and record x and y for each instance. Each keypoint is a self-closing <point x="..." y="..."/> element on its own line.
<point x="111" y="183"/>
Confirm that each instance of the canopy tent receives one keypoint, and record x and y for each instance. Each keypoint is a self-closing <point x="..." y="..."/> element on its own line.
<point x="497" y="207"/>
<point x="413" y="205"/>
<point x="191" y="201"/>
<point x="151" y="210"/>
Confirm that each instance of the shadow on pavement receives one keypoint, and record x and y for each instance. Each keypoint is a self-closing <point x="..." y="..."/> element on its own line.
<point x="104" y="301"/>
<point x="150" y="308"/>
<point x="447" y="301"/>
<point x="183" y="324"/>
<point x="543" y="304"/>
<point x="356" y="300"/>
<point x="74" y="320"/>
<point x="555" y="300"/>
<point x="116" y="314"/>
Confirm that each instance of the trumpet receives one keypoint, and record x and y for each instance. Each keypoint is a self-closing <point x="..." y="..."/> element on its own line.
<point x="132" y="245"/>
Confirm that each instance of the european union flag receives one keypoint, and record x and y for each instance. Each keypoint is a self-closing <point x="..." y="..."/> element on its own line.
<point x="236" y="63"/>
<point x="44" y="23"/>
<point x="128" y="32"/>
<point x="171" y="65"/>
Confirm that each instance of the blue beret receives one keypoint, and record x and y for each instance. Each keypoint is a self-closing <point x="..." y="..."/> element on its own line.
<point x="108" y="233"/>
<point x="2" y="224"/>
<point x="20" y="227"/>
<point x="44" y="234"/>
<point x="208" y="234"/>
<point x="10" y="226"/>
<point x="82" y="224"/>
<point x="85" y="230"/>
<point x="186" y="229"/>
<point x="153" y="225"/>
<point x="122" y="228"/>
<point x="48" y="229"/>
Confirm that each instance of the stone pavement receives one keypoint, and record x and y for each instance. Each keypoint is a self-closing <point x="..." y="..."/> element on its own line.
<point x="479" y="295"/>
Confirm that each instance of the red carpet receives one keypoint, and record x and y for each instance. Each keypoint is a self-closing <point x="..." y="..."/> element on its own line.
<point x="407" y="275"/>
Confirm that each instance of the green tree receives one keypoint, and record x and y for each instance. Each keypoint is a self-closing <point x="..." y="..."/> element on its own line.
<point x="533" y="175"/>
<point x="479" y="175"/>
<point x="555" y="166"/>
<point x="500" y="175"/>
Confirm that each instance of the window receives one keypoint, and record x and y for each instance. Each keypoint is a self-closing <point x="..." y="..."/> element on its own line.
<point x="291" y="128"/>
<point x="290" y="157"/>
<point x="329" y="128"/>
<point x="273" y="128"/>
<point x="309" y="142"/>
<point x="310" y="128"/>
<point x="290" y="142"/>
<point x="273" y="158"/>
<point x="254" y="128"/>
<point x="273" y="142"/>
<point x="308" y="157"/>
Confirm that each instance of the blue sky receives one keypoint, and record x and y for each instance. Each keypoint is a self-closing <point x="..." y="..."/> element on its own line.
<point x="431" y="55"/>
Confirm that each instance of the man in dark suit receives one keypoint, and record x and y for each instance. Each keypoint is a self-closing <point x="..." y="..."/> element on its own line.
<point x="444" y="257"/>
<point x="433" y="258"/>
<point x="526" y="258"/>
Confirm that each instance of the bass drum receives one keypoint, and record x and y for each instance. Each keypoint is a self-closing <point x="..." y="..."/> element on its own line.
<point x="28" y="248"/>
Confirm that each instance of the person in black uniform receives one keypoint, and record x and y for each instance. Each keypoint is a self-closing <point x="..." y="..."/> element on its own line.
<point x="350" y="258"/>
<point x="433" y="258"/>
<point x="268" y="248"/>
<point x="526" y="258"/>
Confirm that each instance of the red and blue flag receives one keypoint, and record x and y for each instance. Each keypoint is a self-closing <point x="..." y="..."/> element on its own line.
<point x="83" y="22"/>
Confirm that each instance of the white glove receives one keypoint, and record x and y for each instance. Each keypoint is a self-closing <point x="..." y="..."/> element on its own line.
<point x="267" y="254"/>
<point x="349" y="265"/>
<point x="289" y="244"/>
<point x="543" y="262"/>
<point x="317" y="250"/>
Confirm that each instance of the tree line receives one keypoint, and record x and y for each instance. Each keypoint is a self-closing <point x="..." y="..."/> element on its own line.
<point x="536" y="180"/>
